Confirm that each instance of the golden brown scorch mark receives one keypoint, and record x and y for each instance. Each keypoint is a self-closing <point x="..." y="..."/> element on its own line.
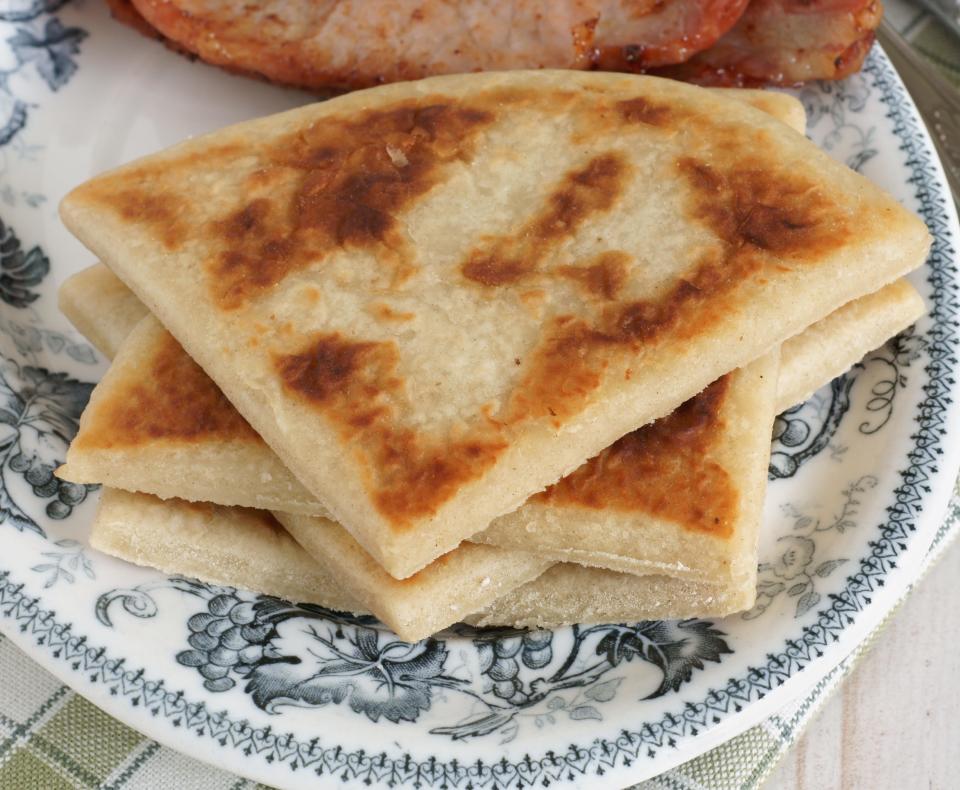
<point x="256" y="253"/>
<point x="602" y="277"/>
<point x="140" y="196"/>
<point x="614" y="117"/>
<point x="582" y="192"/>
<point x="355" y="384"/>
<point x="752" y="212"/>
<point x="646" y="111"/>
<point x="750" y="207"/>
<point x="359" y="172"/>
<point x="350" y="180"/>
<point x="664" y="469"/>
<point x="162" y="212"/>
<point x="171" y="399"/>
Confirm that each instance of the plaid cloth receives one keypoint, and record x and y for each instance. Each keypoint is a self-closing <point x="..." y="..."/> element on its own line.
<point x="52" y="738"/>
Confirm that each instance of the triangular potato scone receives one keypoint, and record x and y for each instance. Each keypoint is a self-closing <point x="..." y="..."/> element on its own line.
<point x="155" y="397"/>
<point x="249" y="548"/>
<point x="412" y="607"/>
<point x="156" y="423"/>
<point x="469" y="577"/>
<point x="227" y="469"/>
<point x="443" y="593"/>
<point x="198" y="540"/>
<point x="588" y="250"/>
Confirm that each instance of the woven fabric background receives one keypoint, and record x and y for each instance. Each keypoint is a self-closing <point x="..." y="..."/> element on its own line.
<point x="51" y="737"/>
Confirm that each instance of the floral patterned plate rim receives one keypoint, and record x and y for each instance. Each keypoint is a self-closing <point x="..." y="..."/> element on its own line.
<point x="296" y="695"/>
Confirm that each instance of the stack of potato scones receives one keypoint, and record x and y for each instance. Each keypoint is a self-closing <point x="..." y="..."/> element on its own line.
<point x="498" y="348"/>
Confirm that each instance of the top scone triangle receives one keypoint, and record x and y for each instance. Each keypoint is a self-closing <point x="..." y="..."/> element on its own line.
<point x="433" y="299"/>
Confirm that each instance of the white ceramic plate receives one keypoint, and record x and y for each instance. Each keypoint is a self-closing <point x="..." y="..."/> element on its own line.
<point x="296" y="696"/>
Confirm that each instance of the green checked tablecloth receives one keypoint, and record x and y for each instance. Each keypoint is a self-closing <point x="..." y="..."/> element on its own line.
<point x="52" y="738"/>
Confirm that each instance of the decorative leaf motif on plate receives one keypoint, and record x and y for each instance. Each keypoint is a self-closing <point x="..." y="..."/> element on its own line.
<point x="66" y="565"/>
<point x="807" y="429"/>
<point x="307" y="656"/>
<point x="39" y="415"/>
<point x="794" y="569"/>
<point x="50" y="51"/>
<point x="19" y="270"/>
<point x="39" y="41"/>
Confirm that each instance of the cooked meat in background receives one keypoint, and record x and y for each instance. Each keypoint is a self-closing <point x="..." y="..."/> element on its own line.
<point x="123" y="11"/>
<point x="785" y="42"/>
<point x="348" y="44"/>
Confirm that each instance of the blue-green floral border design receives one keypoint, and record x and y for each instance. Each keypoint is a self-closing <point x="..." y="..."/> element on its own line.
<point x="602" y="754"/>
<point x="40" y="41"/>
